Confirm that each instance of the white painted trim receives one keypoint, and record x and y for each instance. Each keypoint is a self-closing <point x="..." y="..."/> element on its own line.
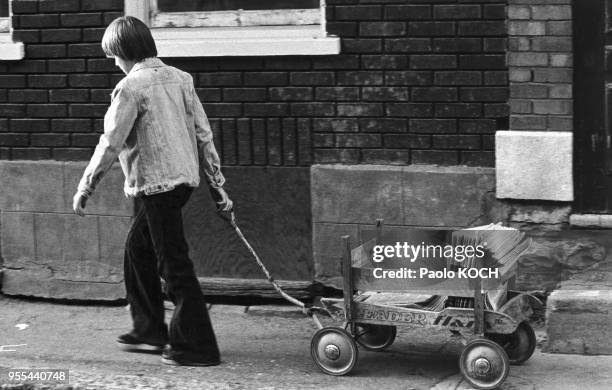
<point x="534" y="165"/>
<point x="275" y="17"/>
<point x="217" y="47"/>
<point x="237" y="32"/>
<point x="11" y="50"/>
<point x="5" y="25"/>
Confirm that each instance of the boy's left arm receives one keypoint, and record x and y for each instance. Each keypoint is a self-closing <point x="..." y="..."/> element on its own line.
<point x="118" y="123"/>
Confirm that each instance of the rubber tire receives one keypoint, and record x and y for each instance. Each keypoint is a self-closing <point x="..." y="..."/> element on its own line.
<point x="501" y="355"/>
<point x="378" y="338"/>
<point x="342" y="336"/>
<point x="523" y="335"/>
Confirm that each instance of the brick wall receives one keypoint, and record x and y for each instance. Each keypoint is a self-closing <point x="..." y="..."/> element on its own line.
<point x="540" y="63"/>
<point x="421" y="81"/>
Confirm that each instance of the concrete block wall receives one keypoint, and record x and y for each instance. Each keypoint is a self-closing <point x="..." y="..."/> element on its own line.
<point x="46" y="249"/>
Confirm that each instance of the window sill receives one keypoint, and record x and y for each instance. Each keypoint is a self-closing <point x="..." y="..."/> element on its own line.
<point x="11" y="50"/>
<point x="244" y="41"/>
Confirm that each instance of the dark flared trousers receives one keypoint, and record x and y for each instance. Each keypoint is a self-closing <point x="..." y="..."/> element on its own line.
<point x="155" y="247"/>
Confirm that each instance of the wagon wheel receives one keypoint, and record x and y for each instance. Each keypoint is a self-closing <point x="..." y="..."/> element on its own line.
<point x="334" y="351"/>
<point x="484" y="364"/>
<point x="375" y="337"/>
<point x="519" y="345"/>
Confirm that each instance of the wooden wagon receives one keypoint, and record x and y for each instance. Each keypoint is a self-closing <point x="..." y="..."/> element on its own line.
<point x="490" y="319"/>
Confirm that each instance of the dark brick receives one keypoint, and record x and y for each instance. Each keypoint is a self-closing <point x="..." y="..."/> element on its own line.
<point x="71" y="125"/>
<point x="434" y="61"/>
<point x="459" y="110"/>
<point x="408" y="45"/>
<point x="432" y="126"/>
<point x="100" y="95"/>
<point x="69" y="95"/>
<point x="29" y="125"/>
<point x="50" y="140"/>
<point x="24" y="7"/>
<point x="47" y="110"/>
<point x="289" y="141"/>
<point x="463" y="11"/>
<point x="209" y="94"/>
<point x="404" y="141"/>
<point x="31" y="153"/>
<point x="336" y="62"/>
<point x="487" y="62"/>
<point x="110" y="16"/>
<point x="5" y="153"/>
<point x="410" y="110"/>
<point x="101" y="5"/>
<point x="66" y="66"/>
<point x="454" y="45"/>
<point x="384" y="61"/>
<point x="87" y="110"/>
<point x="287" y="63"/>
<point x="290" y="93"/>
<point x="337" y="93"/>
<point x="360" y="12"/>
<point x="11" y="139"/>
<point x="385" y="94"/>
<point x="494" y="11"/>
<point x="361" y="45"/>
<point x="27" y="66"/>
<point x="244" y="94"/>
<point x="335" y="125"/>
<point x="81" y="20"/>
<point x="258" y="132"/>
<point x="80" y="140"/>
<point x="49" y="6"/>
<point x="47" y="81"/>
<point x="496" y="110"/>
<point x="496" y="78"/>
<point x="439" y="157"/>
<point x="484" y="94"/>
<point x="456" y="142"/>
<point x="266" y="78"/>
<point x="217" y="110"/>
<point x="88" y="80"/>
<point x="243" y="137"/>
<point x="482" y="28"/>
<point x="219" y="79"/>
<point x="431" y="28"/>
<point x="383" y="125"/>
<point x="229" y="141"/>
<point x="323" y="141"/>
<point x="312" y="78"/>
<point x="342" y="29"/>
<point x="12" y="110"/>
<point x="266" y="109"/>
<point x="480" y="158"/>
<point x="26" y="36"/>
<point x="28" y="96"/>
<point x="347" y="156"/>
<point x="93" y="34"/>
<point x="458" y="78"/>
<point x="101" y="65"/>
<point x="408" y="78"/>
<point x="274" y="138"/>
<point x="61" y="35"/>
<point x="382" y="28"/>
<point x="241" y="63"/>
<point x="85" y="50"/>
<point x="495" y="45"/>
<point x="71" y="154"/>
<point x="358" y="141"/>
<point x="360" y="109"/>
<point x="38" y="21"/>
<point x="360" y="78"/>
<point x="12" y="81"/>
<point x="385" y="156"/>
<point x="45" y="51"/>
<point x="488" y="142"/>
<point x="477" y="126"/>
<point x="434" y="94"/>
<point x="405" y="12"/>
<point x="312" y="109"/>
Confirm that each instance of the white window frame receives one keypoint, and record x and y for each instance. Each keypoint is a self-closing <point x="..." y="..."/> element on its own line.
<point x="236" y="33"/>
<point x="9" y="50"/>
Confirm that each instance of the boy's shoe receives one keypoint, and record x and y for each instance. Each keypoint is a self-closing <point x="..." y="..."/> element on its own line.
<point x="127" y="342"/>
<point x="183" y="358"/>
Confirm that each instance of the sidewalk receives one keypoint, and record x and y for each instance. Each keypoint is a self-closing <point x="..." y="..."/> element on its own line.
<point x="263" y="348"/>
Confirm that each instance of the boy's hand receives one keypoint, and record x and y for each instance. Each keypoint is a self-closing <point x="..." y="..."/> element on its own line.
<point x="78" y="203"/>
<point x="224" y="203"/>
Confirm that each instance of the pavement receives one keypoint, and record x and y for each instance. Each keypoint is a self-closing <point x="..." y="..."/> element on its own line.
<point x="263" y="347"/>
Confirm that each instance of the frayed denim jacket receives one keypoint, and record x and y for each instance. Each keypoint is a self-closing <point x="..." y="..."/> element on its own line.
<point x="158" y="128"/>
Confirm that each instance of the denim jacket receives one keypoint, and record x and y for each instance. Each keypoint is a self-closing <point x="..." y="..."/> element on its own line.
<point x="158" y="128"/>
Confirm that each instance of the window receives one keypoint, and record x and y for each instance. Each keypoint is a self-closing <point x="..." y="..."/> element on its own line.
<point x="187" y="28"/>
<point x="9" y="50"/>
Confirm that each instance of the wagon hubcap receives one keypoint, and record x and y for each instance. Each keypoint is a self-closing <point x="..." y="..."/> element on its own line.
<point x="332" y="352"/>
<point x="481" y="366"/>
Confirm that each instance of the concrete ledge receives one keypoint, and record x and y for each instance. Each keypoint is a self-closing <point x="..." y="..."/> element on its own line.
<point x="534" y="165"/>
<point x="579" y="322"/>
<point x="601" y="221"/>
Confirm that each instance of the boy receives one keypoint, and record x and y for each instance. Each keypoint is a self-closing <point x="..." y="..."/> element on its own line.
<point x="157" y="127"/>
